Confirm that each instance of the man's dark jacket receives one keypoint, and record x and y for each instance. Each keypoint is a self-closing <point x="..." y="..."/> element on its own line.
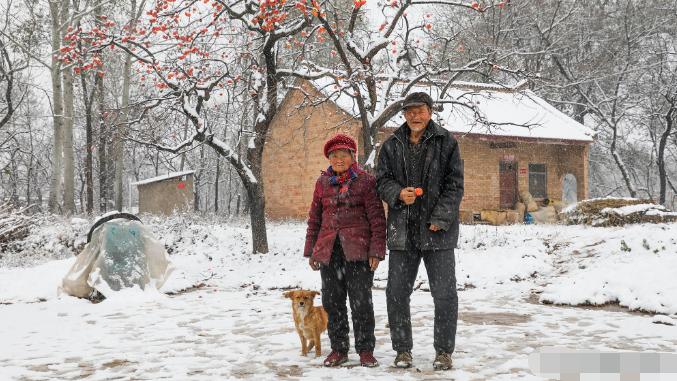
<point x="442" y="184"/>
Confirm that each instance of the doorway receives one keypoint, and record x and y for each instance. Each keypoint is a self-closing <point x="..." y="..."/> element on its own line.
<point x="508" y="183"/>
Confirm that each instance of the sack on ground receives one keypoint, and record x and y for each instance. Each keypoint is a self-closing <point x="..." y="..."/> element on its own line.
<point x="121" y="254"/>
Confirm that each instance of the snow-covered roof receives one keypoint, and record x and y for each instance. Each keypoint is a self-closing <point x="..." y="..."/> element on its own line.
<point x="497" y="110"/>
<point x="163" y="177"/>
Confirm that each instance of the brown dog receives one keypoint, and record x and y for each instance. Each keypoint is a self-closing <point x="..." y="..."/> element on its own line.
<point x="310" y="321"/>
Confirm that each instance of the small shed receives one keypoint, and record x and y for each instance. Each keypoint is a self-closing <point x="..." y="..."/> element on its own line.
<point x="166" y="194"/>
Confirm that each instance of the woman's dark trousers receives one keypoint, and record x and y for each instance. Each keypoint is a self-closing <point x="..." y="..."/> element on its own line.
<point x="341" y="279"/>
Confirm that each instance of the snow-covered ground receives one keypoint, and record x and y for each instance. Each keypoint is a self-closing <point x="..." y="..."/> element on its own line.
<point x="237" y="325"/>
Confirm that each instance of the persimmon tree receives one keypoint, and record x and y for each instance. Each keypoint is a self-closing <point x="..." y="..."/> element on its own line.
<point x="184" y="52"/>
<point x="379" y="61"/>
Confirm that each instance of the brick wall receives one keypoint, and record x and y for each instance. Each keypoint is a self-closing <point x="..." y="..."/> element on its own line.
<point x="166" y="197"/>
<point x="293" y="156"/>
<point x="481" y="164"/>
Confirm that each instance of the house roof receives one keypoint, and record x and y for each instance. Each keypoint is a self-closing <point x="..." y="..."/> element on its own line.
<point x="163" y="177"/>
<point x="497" y="110"/>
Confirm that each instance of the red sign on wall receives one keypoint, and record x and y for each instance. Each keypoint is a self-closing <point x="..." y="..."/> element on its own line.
<point x="523" y="171"/>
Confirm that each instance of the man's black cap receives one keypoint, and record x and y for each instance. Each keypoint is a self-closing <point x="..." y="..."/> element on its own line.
<point x="417" y="99"/>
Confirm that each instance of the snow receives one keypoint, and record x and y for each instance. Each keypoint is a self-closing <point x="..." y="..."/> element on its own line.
<point x="511" y="112"/>
<point x="168" y="176"/>
<point x="630" y="209"/>
<point x="501" y="111"/>
<point x="660" y="212"/>
<point x="33" y="284"/>
<point x="235" y="323"/>
<point x="664" y="319"/>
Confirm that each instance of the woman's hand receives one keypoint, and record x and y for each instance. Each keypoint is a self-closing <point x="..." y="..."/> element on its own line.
<point x="315" y="265"/>
<point x="373" y="263"/>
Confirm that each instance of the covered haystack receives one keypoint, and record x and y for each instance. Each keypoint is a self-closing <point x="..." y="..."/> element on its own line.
<point x="616" y="212"/>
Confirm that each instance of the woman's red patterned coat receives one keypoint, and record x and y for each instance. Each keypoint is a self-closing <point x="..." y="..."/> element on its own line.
<point x="351" y="212"/>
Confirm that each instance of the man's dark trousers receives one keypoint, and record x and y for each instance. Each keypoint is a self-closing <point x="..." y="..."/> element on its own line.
<point x="341" y="279"/>
<point x="402" y="271"/>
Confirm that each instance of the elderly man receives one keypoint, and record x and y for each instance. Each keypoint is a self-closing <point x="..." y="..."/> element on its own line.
<point x="420" y="176"/>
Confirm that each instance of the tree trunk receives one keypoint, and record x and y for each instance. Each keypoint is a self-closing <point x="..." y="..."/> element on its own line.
<point x="662" y="175"/>
<point x="28" y="180"/>
<point x="68" y="156"/>
<point x="54" y="203"/>
<point x="120" y="131"/>
<point x="157" y="164"/>
<point x="39" y="193"/>
<point x="621" y="165"/>
<point x="198" y="179"/>
<point x="81" y="192"/>
<point x="230" y="188"/>
<point x="89" y="146"/>
<point x="368" y="158"/>
<point x="14" y="179"/>
<point x="216" y="185"/>
<point x="182" y="163"/>
<point x="257" y="215"/>
<point x="29" y="175"/>
<point x="102" y="148"/>
<point x="257" y="202"/>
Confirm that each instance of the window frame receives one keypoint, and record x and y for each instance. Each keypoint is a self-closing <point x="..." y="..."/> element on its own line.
<point x="543" y="173"/>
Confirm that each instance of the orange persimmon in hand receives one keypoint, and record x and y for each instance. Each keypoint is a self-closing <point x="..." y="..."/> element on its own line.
<point x="419" y="192"/>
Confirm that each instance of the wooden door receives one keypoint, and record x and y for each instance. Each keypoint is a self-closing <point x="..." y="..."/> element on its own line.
<point x="508" y="184"/>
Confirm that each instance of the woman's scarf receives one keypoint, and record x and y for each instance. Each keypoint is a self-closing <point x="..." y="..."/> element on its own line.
<point x="343" y="179"/>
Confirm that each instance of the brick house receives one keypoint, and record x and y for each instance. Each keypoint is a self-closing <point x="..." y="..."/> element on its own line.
<point x="518" y="142"/>
<point x="166" y="194"/>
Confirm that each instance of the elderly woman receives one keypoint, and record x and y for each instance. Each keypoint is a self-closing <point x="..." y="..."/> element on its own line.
<point x="345" y="241"/>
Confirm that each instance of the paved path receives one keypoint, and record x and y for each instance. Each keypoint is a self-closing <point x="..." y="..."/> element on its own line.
<point x="215" y="334"/>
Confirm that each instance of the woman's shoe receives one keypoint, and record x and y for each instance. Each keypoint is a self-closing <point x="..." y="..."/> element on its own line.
<point x="335" y="358"/>
<point x="367" y="359"/>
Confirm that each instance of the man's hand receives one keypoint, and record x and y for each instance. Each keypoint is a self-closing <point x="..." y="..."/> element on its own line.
<point x="408" y="195"/>
<point x="434" y="227"/>
<point x="373" y="263"/>
<point x="315" y="265"/>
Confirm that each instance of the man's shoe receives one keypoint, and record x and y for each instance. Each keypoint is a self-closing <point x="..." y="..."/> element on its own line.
<point x="335" y="358"/>
<point x="402" y="360"/>
<point x="442" y="361"/>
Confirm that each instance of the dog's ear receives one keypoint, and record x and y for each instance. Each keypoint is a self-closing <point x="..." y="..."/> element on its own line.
<point x="288" y="294"/>
<point x="314" y="293"/>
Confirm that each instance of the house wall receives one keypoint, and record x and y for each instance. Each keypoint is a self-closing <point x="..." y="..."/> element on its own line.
<point x="165" y="197"/>
<point x="481" y="168"/>
<point x="293" y="155"/>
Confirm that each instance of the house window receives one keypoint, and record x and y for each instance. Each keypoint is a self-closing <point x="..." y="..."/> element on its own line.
<point x="537" y="180"/>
